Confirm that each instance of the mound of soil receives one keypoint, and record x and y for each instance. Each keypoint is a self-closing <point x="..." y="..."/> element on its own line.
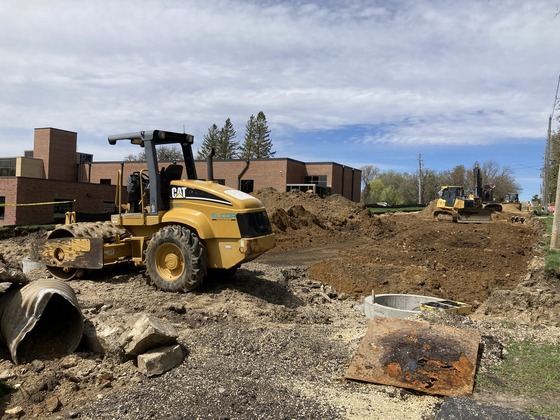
<point x="398" y="253"/>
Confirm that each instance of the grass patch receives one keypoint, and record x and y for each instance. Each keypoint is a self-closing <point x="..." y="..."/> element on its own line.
<point x="552" y="256"/>
<point x="532" y="371"/>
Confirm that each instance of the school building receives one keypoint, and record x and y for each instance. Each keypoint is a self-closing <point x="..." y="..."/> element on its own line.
<point x="43" y="184"/>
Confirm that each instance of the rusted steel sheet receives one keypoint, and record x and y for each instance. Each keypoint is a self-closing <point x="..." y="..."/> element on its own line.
<point x="40" y="320"/>
<point x="435" y="359"/>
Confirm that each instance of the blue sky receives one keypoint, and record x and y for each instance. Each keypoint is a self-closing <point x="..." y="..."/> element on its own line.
<point x="354" y="82"/>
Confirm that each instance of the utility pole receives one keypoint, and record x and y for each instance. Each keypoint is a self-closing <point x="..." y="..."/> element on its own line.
<point x="547" y="155"/>
<point x="554" y="239"/>
<point x="546" y="172"/>
<point x="420" y="201"/>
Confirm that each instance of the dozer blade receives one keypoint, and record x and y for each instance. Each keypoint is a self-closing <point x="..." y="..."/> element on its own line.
<point x="474" y="216"/>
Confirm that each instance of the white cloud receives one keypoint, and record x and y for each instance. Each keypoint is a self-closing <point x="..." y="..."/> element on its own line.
<point x="426" y="72"/>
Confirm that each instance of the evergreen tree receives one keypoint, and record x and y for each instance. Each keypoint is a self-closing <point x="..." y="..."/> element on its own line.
<point x="209" y="142"/>
<point x="221" y="140"/>
<point x="257" y="143"/>
<point x="262" y="137"/>
<point x="226" y="147"/>
<point x="248" y="149"/>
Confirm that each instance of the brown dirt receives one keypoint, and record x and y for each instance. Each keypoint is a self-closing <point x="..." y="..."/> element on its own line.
<point x="399" y="253"/>
<point x="282" y="331"/>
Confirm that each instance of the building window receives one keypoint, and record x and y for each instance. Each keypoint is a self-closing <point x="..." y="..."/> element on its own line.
<point x="105" y="181"/>
<point x="8" y="167"/>
<point x="247" y="185"/>
<point x="84" y="158"/>
<point x="320" y="180"/>
<point x="108" y="207"/>
<point x="2" y="208"/>
<point x="61" y="208"/>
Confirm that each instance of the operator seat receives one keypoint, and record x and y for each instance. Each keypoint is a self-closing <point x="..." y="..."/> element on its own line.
<point x="171" y="173"/>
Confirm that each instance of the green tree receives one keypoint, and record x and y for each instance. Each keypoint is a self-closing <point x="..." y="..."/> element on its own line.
<point x="209" y="141"/>
<point x="390" y="195"/>
<point x="369" y="173"/>
<point x="257" y="143"/>
<point x="376" y="190"/>
<point x="430" y="185"/>
<point x="221" y="140"/>
<point x="400" y="188"/>
<point x="227" y="147"/>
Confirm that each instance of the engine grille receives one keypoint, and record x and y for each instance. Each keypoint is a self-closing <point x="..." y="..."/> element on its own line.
<point x="254" y="224"/>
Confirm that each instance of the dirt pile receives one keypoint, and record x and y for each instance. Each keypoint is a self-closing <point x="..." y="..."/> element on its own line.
<point x="399" y="253"/>
<point x="301" y="219"/>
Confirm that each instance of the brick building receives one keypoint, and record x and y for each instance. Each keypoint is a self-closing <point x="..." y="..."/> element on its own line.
<point x="42" y="185"/>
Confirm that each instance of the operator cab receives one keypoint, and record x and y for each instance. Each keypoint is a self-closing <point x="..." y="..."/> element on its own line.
<point x="449" y="194"/>
<point x="150" y="189"/>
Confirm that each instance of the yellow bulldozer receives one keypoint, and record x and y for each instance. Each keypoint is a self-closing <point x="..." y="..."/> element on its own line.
<point x="179" y="227"/>
<point x="454" y="205"/>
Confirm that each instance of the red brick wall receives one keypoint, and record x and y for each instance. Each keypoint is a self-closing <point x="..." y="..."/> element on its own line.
<point x="328" y="169"/>
<point x="347" y="182"/>
<point x="8" y="189"/>
<point x="89" y="198"/>
<point x="57" y="149"/>
<point x="343" y="180"/>
<point x="264" y="172"/>
<point x="109" y="170"/>
<point x="357" y="185"/>
<point x="296" y="172"/>
<point x="274" y="173"/>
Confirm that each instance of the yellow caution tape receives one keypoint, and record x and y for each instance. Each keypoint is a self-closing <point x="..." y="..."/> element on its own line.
<point x="36" y="204"/>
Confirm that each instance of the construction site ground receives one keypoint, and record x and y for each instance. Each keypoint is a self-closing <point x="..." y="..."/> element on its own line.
<point x="274" y="341"/>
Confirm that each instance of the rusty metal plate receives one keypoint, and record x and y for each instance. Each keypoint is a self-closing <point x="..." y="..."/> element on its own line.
<point x="435" y="359"/>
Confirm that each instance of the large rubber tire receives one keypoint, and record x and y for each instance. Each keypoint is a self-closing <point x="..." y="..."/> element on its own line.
<point x="176" y="259"/>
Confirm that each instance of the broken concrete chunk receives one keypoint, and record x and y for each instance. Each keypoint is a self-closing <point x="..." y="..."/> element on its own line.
<point x="160" y="360"/>
<point x="146" y="332"/>
<point x="102" y="336"/>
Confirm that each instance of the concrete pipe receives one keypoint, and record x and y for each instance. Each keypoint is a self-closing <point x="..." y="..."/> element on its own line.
<point x="397" y="306"/>
<point x="40" y="320"/>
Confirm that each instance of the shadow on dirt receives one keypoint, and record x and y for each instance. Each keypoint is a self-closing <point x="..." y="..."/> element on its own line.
<point x="252" y="283"/>
<point x="117" y="274"/>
